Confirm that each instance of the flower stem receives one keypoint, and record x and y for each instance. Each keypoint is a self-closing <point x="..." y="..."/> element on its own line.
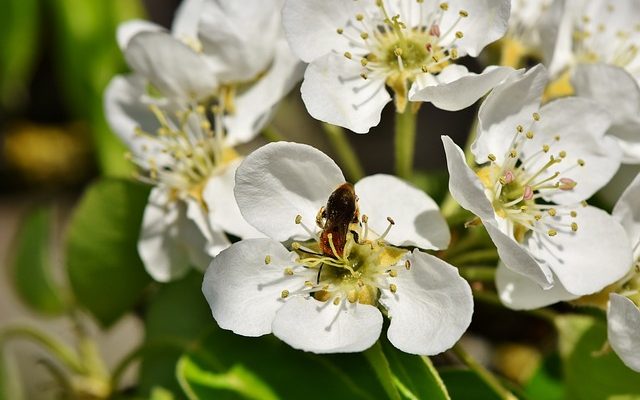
<point x="478" y="273"/>
<point x="405" y="137"/>
<point x="484" y="374"/>
<point x="476" y="256"/>
<point x="348" y="158"/>
<point x="63" y="353"/>
<point x="380" y="365"/>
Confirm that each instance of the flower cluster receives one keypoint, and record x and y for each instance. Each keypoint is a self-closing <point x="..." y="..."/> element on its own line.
<point x="320" y="261"/>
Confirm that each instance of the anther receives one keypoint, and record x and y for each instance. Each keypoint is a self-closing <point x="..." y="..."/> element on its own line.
<point x="491" y="157"/>
<point x="288" y="271"/>
<point x="267" y="259"/>
<point x="364" y="62"/>
<point x="553" y="212"/>
<point x="364" y="75"/>
<point x="513" y="153"/>
<point x="393" y="273"/>
<point x="339" y="31"/>
<point x="562" y="154"/>
<point x="348" y="55"/>
<point x="364" y="35"/>
<point x="574" y="214"/>
<point x="425" y="69"/>
<point x="393" y="288"/>
<point x="391" y="221"/>
<point x="520" y="128"/>
<point x="545" y="148"/>
<point x="453" y="53"/>
<point x="567" y="184"/>
<point x="407" y="264"/>
<point x="397" y="51"/>
<point x="336" y="301"/>
<point x="284" y="294"/>
<point x="359" y="17"/>
<point x="463" y="13"/>
<point x="444" y="6"/>
<point x="295" y="246"/>
<point x="459" y="35"/>
<point x="298" y="219"/>
<point x="552" y="232"/>
<point x="434" y="30"/>
<point x="365" y="218"/>
<point x="529" y="135"/>
<point x="574" y="227"/>
<point x="581" y="162"/>
<point x="536" y="116"/>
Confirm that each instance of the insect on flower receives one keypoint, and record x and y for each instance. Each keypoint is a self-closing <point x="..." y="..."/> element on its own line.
<point x="336" y="220"/>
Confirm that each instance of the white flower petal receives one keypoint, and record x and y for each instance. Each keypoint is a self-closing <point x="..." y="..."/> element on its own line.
<point x="458" y="90"/>
<point x="518" y="292"/>
<point x="169" y="243"/>
<point x="333" y="91"/>
<point x="186" y="19"/>
<point x="486" y="23"/>
<point x="618" y="92"/>
<point x="254" y="107"/>
<point x="125" y="112"/>
<point x="129" y="29"/>
<point x="623" y="330"/>
<point x="517" y="258"/>
<point x="216" y="240"/>
<point x="244" y="292"/>
<point x="311" y="325"/>
<point x="585" y="261"/>
<point x="627" y="212"/>
<point x="171" y="66"/>
<point x="417" y="218"/>
<point x="221" y="203"/>
<point x="507" y="106"/>
<point x="310" y="26"/>
<point x="239" y="36"/>
<point x="464" y="185"/>
<point x="431" y="308"/>
<point x="281" y="180"/>
<point x="580" y="124"/>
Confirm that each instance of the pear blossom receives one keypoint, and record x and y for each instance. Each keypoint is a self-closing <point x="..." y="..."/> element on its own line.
<point x="358" y="48"/>
<point x="623" y="314"/>
<point x="597" y="51"/>
<point x="191" y="97"/>
<point x="337" y="257"/>
<point x="532" y="33"/>
<point x="537" y="166"/>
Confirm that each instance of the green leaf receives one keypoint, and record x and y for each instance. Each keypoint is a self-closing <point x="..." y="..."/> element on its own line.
<point x="178" y="315"/>
<point x="546" y="383"/>
<point x="10" y="382"/>
<point x="19" y="33"/>
<point x="198" y="383"/>
<point x="589" y="372"/>
<point x="32" y="265"/>
<point x="465" y="384"/>
<point x="105" y="271"/>
<point x="415" y="376"/>
<point x="287" y="373"/>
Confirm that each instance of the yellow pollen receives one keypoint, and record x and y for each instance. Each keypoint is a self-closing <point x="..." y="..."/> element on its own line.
<point x="444" y="6"/>
<point x="574" y="226"/>
<point x="459" y="35"/>
<point x="359" y="17"/>
<point x="513" y="153"/>
<point x="393" y="273"/>
<point x="407" y="264"/>
<point x="454" y="54"/>
<point x="339" y="31"/>
<point x="491" y="157"/>
<point x="393" y="288"/>
<point x="364" y="35"/>
<point x="529" y="135"/>
<point x="398" y="52"/>
<point x="298" y="219"/>
<point x="552" y="232"/>
<point x="574" y="214"/>
<point x="267" y="259"/>
<point x="562" y="154"/>
<point x="553" y="212"/>
<point x="364" y="75"/>
<point x="463" y="13"/>
<point x="425" y="69"/>
<point x="536" y="116"/>
<point x="348" y="55"/>
<point x="581" y="162"/>
<point x="336" y="301"/>
<point x="519" y="128"/>
<point x="545" y="148"/>
<point x="284" y="294"/>
<point x="288" y="271"/>
<point x="557" y="138"/>
<point x="364" y="62"/>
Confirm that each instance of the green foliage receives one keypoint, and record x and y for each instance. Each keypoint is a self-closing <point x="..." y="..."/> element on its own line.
<point x="105" y="271"/>
<point x="466" y="385"/>
<point x="416" y="376"/>
<point x="19" y="31"/>
<point x="546" y="383"/>
<point x="177" y="316"/>
<point x="589" y="372"/>
<point x="88" y="58"/>
<point x="32" y="268"/>
<point x="10" y="387"/>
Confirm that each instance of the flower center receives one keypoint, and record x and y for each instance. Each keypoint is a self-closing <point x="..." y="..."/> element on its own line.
<point x="397" y="45"/>
<point x="184" y="152"/>
<point x="517" y="186"/>
<point x="601" y="43"/>
<point x="355" y="275"/>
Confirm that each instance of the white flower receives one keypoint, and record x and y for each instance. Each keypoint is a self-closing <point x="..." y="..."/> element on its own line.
<point x="598" y="49"/>
<point x="537" y="166"/>
<point x="623" y="315"/>
<point x="533" y="28"/>
<point x="234" y="51"/>
<point x="357" y="48"/>
<point x="325" y="291"/>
